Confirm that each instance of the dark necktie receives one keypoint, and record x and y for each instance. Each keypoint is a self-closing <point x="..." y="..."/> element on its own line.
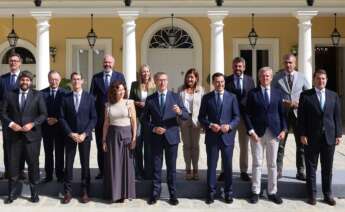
<point x="22" y="101"/>
<point x="290" y="82"/>
<point x="107" y="81"/>
<point x="162" y="102"/>
<point x="266" y="97"/>
<point x="13" y="80"/>
<point x="53" y="94"/>
<point x="219" y="103"/>
<point x="238" y="84"/>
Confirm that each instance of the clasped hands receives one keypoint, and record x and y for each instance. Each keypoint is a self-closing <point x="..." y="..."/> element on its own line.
<point x="216" y="128"/>
<point x="78" y="138"/>
<point x="290" y="104"/>
<point x="256" y="138"/>
<point x="17" y="128"/>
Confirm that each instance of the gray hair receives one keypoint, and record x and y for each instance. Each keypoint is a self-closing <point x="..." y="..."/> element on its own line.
<point x="264" y="69"/>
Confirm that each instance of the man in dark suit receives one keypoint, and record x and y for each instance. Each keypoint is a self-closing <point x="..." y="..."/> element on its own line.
<point x="320" y="127"/>
<point x="23" y="112"/>
<point x="52" y="132"/>
<point x="219" y="115"/>
<point x="99" y="89"/>
<point x="291" y="83"/>
<point x="240" y="84"/>
<point x="10" y="82"/>
<point x="78" y="117"/>
<point x="266" y="124"/>
<point x="161" y="113"/>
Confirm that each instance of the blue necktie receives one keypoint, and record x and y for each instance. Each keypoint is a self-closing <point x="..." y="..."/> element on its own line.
<point x="267" y="100"/>
<point x="162" y="102"/>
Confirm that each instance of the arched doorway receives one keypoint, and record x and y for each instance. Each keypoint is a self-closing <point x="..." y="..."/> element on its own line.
<point x="26" y="50"/>
<point x="176" y="59"/>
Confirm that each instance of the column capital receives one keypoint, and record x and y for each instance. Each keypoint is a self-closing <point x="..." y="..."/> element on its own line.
<point x="41" y="15"/>
<point x="217" y="15"/>
<point x="128" y="15"/>
<point x="305" y="15"/>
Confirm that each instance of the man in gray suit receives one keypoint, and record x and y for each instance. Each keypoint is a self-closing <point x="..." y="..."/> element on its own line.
<point x="291" y="83"/>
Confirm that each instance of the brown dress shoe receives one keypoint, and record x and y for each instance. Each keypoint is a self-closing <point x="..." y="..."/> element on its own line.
<point x="67" y="198"/>
<point x="84" y="198"/>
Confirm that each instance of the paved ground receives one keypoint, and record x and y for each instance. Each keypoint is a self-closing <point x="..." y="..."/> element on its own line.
<point x="53" y="204"/>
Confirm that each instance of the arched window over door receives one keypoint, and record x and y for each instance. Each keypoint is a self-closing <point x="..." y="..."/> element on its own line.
<point x="27" y="56"/>
<point x="161" y="39"/>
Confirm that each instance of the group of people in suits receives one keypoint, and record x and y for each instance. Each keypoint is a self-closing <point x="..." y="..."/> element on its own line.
<point x="152" y="119"/>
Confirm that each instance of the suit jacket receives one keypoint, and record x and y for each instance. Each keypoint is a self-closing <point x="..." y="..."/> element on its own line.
<point x="152" y="117"/>
<point x="313" y="122"/>
<point x="5" y="84"/>
<point x="198" y="94"/>
<point x="135" y="94"/>
<point x="230" y="114"/>
<point x="300" y="84"/>
<point x="34" y="111"/>
<point x="259" y="117"/>
<point x="98" y="90"/>
<point x="53" y="107"/>
<point x="248" y="84"/>
<point x="82" y="121"/>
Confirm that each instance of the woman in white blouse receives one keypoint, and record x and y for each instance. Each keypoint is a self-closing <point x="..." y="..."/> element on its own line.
<point x="191" y="94"/>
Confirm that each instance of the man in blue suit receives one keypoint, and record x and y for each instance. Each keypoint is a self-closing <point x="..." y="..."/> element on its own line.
<point x="99" y="89"/>
<point x="240" y="84"/>
<point x="161" y="113"/>
<point x="52" y="133"/>
<point x="78" y="118"/>
<point x="320" y="127"/>
<point x="10" y="82"/>
<point x="266" y="125"/>
<point x="219" y="115"/>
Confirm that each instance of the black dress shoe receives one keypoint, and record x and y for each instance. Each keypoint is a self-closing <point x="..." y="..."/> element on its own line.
<point x="99" y="176"/>
<point x="300" y="176"/>
<point x="228" y="200"/>
<point x="9" y="200"/>
<point x="311" y="201"/>
<point x="245" y="176"/>
<point x="152" y="200"/>
<point x="221" y="177"/>
<point x="254" y="198"/>
<point x="46" y="180"/>
<point x="173" y="201"/>
<point x="275" y="198"/>
<point x="34" y="198"/>
<point x="330" y="201"/>
<point x="209" y="200"/>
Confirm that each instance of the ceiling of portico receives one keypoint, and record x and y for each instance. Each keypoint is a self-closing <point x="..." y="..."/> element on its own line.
<point x="152" y="8"/>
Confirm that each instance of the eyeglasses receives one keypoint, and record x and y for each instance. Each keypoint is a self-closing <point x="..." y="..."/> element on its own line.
<point x="14" y="61"/>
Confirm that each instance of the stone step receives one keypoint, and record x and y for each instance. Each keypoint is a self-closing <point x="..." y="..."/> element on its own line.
<point x="288" y="186"/>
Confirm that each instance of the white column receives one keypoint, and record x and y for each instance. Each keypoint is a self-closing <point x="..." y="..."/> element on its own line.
<point x="217" y="41"/>
<point x="42" y="48"/>
<point x="305" y="49"/>
<point x="129" y="54"/>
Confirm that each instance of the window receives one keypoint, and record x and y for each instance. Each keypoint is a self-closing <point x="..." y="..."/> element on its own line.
<point x="161" y="39"/>
<point x="27" y="56"/>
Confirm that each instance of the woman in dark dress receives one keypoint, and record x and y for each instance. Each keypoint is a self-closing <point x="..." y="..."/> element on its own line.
<point x="119" y="132"/>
